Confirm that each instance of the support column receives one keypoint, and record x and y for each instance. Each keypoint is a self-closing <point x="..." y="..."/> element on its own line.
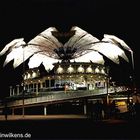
<point x="37" y="88"/>
<point x="107" y="86"/>
<point x="41" y="85"/>
<point x="13" y="111"/>
<point x="107" y="95"/>
<point x="107" y="99"/>
<point x="13" y="91"/>
<point x="10" y="90"/>
<point x="85" y="107"/>
<point x="33" y="87"/>
<point x="28" y="87"/>
<point x="23" y="110"/>
<point x="45" y="110"/>
<point x="23" y="103"/>
<point x="17" y="89"/>
<point x="49" y="83"/>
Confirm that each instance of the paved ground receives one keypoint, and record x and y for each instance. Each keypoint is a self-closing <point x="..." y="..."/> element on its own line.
<point x="41" y="117"/>
<point x="70" y="127"/>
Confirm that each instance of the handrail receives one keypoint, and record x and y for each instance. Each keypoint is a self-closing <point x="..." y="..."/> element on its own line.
<point x="62" y="96"/>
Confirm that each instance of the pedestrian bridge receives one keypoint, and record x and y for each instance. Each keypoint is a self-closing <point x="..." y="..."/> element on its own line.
<point x="61" y="96"/>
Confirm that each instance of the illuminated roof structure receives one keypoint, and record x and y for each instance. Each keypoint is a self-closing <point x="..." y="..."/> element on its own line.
<point x="81" y="47"/>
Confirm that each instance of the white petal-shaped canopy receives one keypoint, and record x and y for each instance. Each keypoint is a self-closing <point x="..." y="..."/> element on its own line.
<point x="110" y="50"/>
<point x="17" y="55"/>
<point x="81" y="41"/>
<point x="81" y="47"/>
<point x="79" y="33"/>
<point x="15" y="49"/>
<point x="80" y="37"/>
<point x="116" y="40"/>
<point x="93" y="56"/>
<point x="46" y="42"/>
<point x="37" y="59"/>
<point x="13" y="44"/>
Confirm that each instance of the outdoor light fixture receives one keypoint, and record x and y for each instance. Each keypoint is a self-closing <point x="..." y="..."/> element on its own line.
<point x="103" y="71"/>
<point x="60" y="70"/>
<point x="70" y="69"/>
<point x="34" y="74"/>
<point x="28" y="75"/>
<point x="89" y="69"/>
<point x="80" y="69"/>
<point x="25" y="77"/>
<point x="97" y="70"/>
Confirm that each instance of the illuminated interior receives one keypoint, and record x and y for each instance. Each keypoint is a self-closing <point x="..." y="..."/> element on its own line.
<point x="77" y="62"/>
<point x="74" y="75"/>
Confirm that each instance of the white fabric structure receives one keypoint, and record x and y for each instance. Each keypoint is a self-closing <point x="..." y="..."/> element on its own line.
<point x="45" y="43"/>
<point x="15" y="51"/>
<point x="116" y="40"/>
<point x="110" y="50"/>
<point x="13" y="45"/>
<point x="93" y="56"/>
<point x="37" y="59"/>
<point x="81" y="47"/>
<point x="81" y="41"/>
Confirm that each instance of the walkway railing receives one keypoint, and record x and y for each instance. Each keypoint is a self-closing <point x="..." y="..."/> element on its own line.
<point x="57" y="96"/>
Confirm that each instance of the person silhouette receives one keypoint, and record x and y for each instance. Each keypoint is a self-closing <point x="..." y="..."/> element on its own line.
<point x="98" y="108"/>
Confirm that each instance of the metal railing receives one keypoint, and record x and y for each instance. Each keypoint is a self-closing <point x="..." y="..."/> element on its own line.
<point x="44" y="97"/>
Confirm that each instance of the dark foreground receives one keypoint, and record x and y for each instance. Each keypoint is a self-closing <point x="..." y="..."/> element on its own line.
<point x="71" y="129"/>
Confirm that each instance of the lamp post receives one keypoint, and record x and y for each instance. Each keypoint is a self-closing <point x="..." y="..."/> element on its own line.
<point x="133" y="75"/>
<point x="133" y="68"/>
<point x="23" y="91"/>
<point x="132" y="58"/>
<point x="107" y="86"/>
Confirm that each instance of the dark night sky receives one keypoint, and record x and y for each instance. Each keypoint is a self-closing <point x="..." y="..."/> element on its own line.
<point x="27" y="18"/>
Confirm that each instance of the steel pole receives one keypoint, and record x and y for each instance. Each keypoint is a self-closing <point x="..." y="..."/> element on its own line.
<point x="23" y="105"/>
